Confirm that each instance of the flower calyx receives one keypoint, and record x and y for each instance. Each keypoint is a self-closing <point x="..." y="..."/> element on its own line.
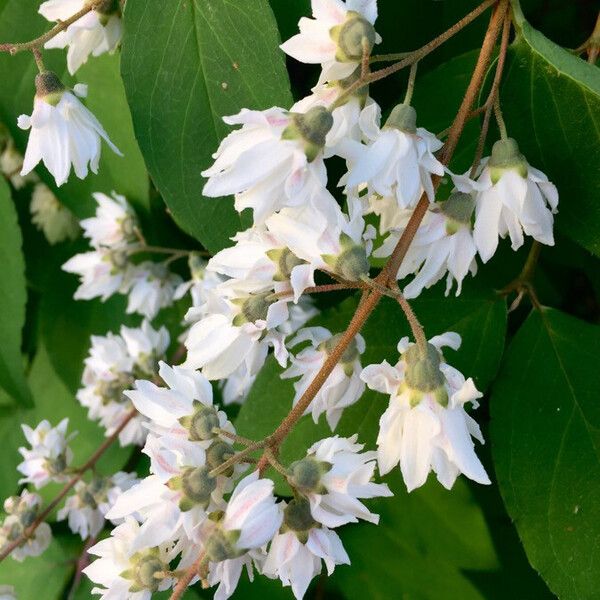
<point x="49" y="88"/>
<point x="305" y="475"/>
<point x="423" y="374"/>
<point x="506" y="156"/>
<point x="311" y="128"/>
<point x="354" y="37"/>
<point x="403" y="118"/>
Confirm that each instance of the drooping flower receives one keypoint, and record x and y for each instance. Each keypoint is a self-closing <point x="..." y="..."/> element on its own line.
<point x="95" y="33"/>
<point x="274" y="160"/>
<point x="54" y="219"/>
<point x="342" y="388"/>
<point x="442" y="246"/>
<point x="337" y="37"/>
<point x="399" y="160"/>
<point x="63" y="131"/>
<point x="425" y="426"/>
<point x="512" y="198"/>
<point x="49" y="455"/>
<point x="333" y="477"/>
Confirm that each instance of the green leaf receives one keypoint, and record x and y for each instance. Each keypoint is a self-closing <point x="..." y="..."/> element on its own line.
<point x="126" y="175"/>
<point x="546" y="447"/>
<point x="13" y="297"/>
<point x="551" y="103"/>
<point x="207" y="59"/>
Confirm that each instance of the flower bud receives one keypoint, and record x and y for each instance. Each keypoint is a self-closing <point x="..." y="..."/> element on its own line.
<point x="404" y="118"/>
<point x="197" y="486"/>
<point x="48" y="87"/>
<point x="305" y="475"/>
<point x="202" y="423"/>
<point x="506" y="155"/>
<point x="285" y="260"/>
<point x="423" y="373"/>
<point x="220" y="545"/>
<point x="311" y="127"/>
<point x="298" y="518"/>
<point x="353" y="37"/>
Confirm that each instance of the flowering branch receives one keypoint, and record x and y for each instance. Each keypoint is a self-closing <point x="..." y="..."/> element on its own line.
<point x="91" y="463"/>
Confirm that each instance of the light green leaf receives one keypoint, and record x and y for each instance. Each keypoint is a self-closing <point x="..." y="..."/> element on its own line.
<point x="13" y="297"/>
<point x="207" y="59"/>
<point x="546" y="447"/>
<point x="551" y="104"/>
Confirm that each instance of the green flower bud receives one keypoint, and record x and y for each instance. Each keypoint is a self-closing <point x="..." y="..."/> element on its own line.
<point x="202" y="423"/>
<point x="505" y="156"/>
<point x="254" y="308"/>
<point x="298" y="518"/>
<point x="404" y="118"/>
<point x="219" y="452"/>
<point x="48" y="87"/>
<point x="353" y="37"/>
<point x="305" y="475"/>
<point x="197" y="486"/>
<point x="423" y="374"/>
<point x="220" y="545"/>
<point x="312" y="128"/>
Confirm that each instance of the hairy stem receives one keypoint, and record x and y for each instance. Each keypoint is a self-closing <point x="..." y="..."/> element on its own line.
<point x="187" y="578"/>
<point x="410" y="88"/>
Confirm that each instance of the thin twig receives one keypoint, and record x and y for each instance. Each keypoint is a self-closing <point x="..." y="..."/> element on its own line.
<point x="185" y="580"/>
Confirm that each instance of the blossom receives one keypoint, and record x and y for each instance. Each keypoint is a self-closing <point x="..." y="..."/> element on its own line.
<point x="511" y="198"/>
<point x="399" y="159"/>
<point x="333" y="476"/>
<point x="442" y="246"/>
<point x="87" y="507"/>
<point x="296" y="562"/>
<point x="342" y="388"/>
<point x="95" y="33"/>
<point x="113" y="224"/>
<point x="11" y="162"/>
<point x="273" y="161"/>
<point x="49" y="455"/>
<point x="425" y="426"/>
<point x="22" y="512"/>
<point x="54" y="219"/>
<point x="63" y="131"/>
<point x="200" y="284"/>
<point x="122" y="572"/>
<point x="337" y="36"/>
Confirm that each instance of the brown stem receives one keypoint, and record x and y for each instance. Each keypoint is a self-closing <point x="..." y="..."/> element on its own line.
<point x="183" y="583"/>
<point x="91" y="462"/>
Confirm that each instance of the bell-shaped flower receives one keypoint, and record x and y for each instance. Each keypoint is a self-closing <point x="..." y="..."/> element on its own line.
<point x="95" y="33"/>
<point x="425" y="426"/>
<point x="63" y="131"/>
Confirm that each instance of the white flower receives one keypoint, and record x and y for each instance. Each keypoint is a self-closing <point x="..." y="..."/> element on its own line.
<point x="11" y="162"/>
<point x="151" y="286"/>
<point x="333" y="476"/>
<point x="342" y="388"/>
<point x="512" y="198"/>
<point x="49" y="455"/>
<point x="114" y="223"/>
<point x="123" y="573"/>
<point x="87" y="507"/>
<point x="399" y="160"/>
<point x="95" y="33"/>
<point x="200" y="284"/>
<point x="22" y="511"/>
<point x="334" y="38"/>
<point x="55" y="220"/>
<point x="145" y="345"/>
<point x="425" y="426"/>
<point x="443" y="245"/>
<point x="296" y="563"/>
<point x="63" y="131"/>
<point x="267" y="163"/>
<point x="101" y="271"/>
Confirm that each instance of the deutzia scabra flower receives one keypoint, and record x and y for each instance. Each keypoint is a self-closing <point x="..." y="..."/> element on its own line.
<point x="296" y="552"/>
<point x="97" y="32"/>
<point x="398" y="161"/>
<point x="274" y="160"/>
<point x="63" y="131"/>
<point x="22" y="511"/>
<point x="333" y="476"/>
<point x="342" y="388"/>
<point x="251" y="520"/>
<point x="85" y="510"/>
<point x="49" y="455"/>
<point x="443" y="245"/>
<point x="113" y="224"/>
<point x="337" y="37"/>
<point x="200" y="284"/>
<point x="113" y="364"/>
<point x="54" y="219"/>
<point x="121" y="572"/>
<point x="426" y="426"/>
<point x="512" y="198"/>
<point x="11" y="162"/>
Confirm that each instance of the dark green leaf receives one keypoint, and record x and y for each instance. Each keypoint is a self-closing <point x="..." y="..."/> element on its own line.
<point x="207" y="59"/>
<point x="551" y="103"/>
<point x="13" y="297"/>
<point x="546" y="446"/>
